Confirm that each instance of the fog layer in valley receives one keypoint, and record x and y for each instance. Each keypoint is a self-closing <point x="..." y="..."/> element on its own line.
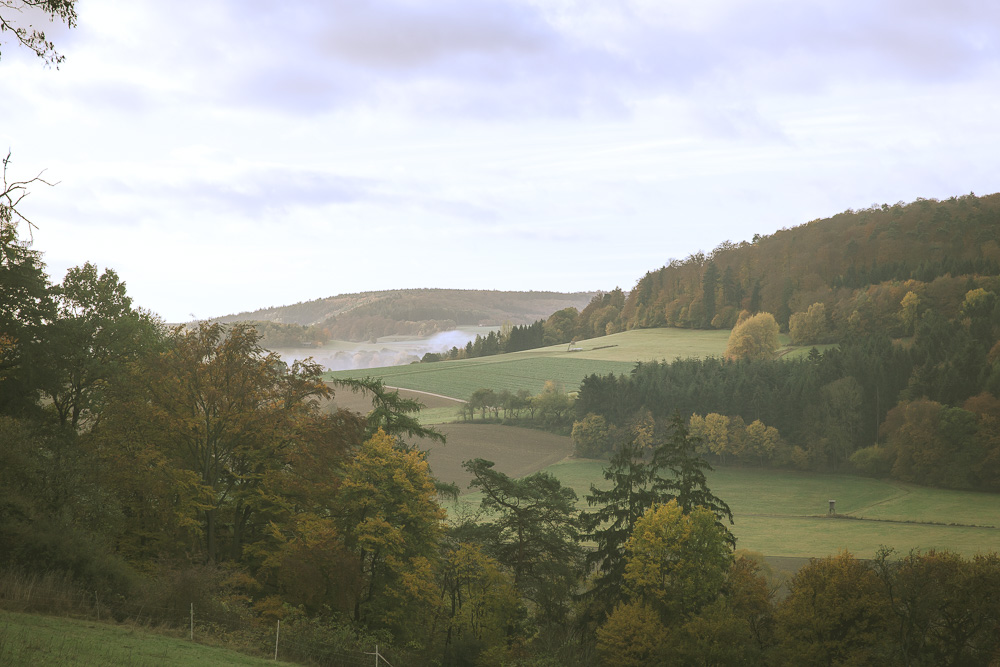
<point x="385" y="351"/>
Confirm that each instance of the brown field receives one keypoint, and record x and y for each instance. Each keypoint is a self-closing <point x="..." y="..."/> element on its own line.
<point x="360" y="402"/>
<point x="516" y="451"/>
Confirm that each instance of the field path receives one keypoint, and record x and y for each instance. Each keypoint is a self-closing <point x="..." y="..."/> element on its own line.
<point x="403" y="391"/>
<point x="901" y="492"/>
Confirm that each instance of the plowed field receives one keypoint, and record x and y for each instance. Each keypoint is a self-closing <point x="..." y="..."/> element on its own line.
<point x="516" y="451"/>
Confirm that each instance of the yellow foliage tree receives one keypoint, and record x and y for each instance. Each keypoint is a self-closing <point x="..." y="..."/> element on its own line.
<point x="390" y="519"/>
<point x="480" y="600"/>
<point x="632" y="635"/>
<point x="754" y="338"/>
<point x="809" y="326"/>
<point x="908" y="312"/>
<point x="677" y="562"/>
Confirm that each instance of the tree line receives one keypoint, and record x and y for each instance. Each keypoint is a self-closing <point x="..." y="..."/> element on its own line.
<point x="508" y="339"/>
<point x="923" y="411"/>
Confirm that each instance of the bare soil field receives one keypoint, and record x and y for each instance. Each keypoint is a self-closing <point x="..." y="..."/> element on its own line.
<point x="361" y="402"/>
<point x="515" y="451"/>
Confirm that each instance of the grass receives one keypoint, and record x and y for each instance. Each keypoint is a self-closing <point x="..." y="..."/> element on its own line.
<point x="29" y="639"/>
<point x="512" y="372"/>
<point x="783" y="513"/>
<point x="778" y="513"/>
<point x="530" y="369"/>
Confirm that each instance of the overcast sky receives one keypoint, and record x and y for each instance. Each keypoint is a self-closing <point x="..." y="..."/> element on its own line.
<point x="229" y="155"/>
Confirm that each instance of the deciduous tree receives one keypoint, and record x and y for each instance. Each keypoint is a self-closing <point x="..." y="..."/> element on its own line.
<point x="95" y="333"/>
<point x="754" y="338"/>
<point x="836" y="613"/>
<point x="389" y="517"/>
<point x="676" y="561"/>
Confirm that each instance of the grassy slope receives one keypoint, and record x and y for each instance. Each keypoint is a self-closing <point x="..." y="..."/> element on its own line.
<point x="778" y="513"/>
<point x="28" y="639"/>
<point x="532" y="368"/>
<point x="782" y="513"/>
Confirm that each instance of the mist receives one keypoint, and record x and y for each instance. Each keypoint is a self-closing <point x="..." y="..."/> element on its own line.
<point x="386" y="351"/>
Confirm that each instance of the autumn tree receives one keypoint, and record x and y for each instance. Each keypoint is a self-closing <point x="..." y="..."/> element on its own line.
<point x="633" y="636"/>
<point x="943" y="607"/>
<point x="932" y="443"/>
<point x="709" y="286"/>
<point x="754" y="338"/>
<point x="214" y="403"/>
<point x="591" y="436"/>
<point x="651" y="468"/>
<point x="553" y="403"/>
<point x="761" y="442"/>
<point x="909" y="308"/>
<point x="390" y="520"/>
<point x="836" y="613"/>
<point x="810" y="326"/>
<point x="481" y="604"/>
<point x="676" y="564"/>
<point x="561" y="326"/>
<point x="676" y="561"/>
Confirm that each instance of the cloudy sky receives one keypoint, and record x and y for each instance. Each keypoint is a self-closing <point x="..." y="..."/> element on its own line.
<point x="226" y="155"/>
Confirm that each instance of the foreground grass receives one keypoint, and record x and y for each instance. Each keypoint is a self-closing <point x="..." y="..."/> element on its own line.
<point x="783" y="513"/>
<point x="27" y="639"/>
<point x="531" y="369"/>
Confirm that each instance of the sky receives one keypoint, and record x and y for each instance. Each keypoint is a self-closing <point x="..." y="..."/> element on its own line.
<point x="228" y="155"/>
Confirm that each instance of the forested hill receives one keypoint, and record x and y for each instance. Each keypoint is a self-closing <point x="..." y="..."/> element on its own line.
<point x="859" y="264"/>
<point x="404" y="312"/>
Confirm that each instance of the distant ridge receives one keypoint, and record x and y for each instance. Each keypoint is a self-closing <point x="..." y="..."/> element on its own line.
<point x="423" y="312"/>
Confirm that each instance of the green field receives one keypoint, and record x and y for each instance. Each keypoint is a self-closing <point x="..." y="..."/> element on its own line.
<point x="778" y="513"/>
<point x="30" y="639"/>
<point x="531" y="369"/>
<point x="782" y="513"/>
<point x="511" y="371"/>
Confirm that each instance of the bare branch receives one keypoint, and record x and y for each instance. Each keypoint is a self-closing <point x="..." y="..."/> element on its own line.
<point x="13" y="193"/>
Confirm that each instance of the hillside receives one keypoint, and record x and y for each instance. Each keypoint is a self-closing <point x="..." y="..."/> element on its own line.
<point x="858" y="264"/>
<point x="412" y="312"/>
<point x="928" y="247"/>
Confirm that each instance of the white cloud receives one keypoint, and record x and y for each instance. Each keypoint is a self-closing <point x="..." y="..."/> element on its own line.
<point x="228" y="155"/>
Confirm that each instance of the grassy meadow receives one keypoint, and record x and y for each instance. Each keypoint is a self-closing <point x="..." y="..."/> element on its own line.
<point x="778" y="513"/>
<point x="784" y="513"/>
<point x="31" y="639"/>
<point x="565" y="364"/>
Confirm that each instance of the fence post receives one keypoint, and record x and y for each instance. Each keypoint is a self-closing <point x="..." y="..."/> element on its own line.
<point x="192" y="621"/>
<point x="276" y="635"/>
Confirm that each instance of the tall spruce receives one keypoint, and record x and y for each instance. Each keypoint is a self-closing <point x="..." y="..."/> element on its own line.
<point x="674" y="471"/>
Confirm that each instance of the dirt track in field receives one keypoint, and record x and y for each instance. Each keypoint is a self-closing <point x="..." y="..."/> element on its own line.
<point x="361" y="402"/>
<point x="515" y="451"/>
